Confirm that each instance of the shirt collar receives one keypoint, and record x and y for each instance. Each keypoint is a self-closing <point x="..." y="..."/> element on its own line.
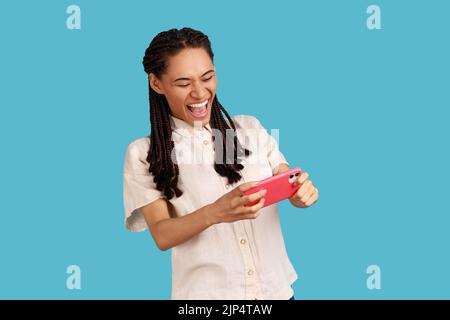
<point x="184" y="128"/>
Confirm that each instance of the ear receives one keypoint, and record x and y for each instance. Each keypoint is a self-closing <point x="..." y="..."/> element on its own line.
<point x="155" y="83"/>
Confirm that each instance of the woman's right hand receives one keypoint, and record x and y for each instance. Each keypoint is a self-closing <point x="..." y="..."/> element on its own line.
<point x="230" y="207"/>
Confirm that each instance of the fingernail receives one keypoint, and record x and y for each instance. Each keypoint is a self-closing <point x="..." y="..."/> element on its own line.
<point x="262" y="192"/>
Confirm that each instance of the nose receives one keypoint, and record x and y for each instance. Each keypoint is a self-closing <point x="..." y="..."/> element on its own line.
<point x="198" y="91"/>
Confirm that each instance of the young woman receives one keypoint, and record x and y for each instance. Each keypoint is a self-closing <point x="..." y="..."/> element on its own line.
<point x="221" y="249"/>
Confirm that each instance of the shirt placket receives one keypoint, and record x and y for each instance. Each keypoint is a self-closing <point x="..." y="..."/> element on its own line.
<point x="252" y="286"/>
<point x="203" y="137"/>
<point x="243" y="234"/>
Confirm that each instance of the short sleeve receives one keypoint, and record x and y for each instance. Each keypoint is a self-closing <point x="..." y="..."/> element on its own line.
<point x="265" y="141"/>
<point x="138" y="186"/>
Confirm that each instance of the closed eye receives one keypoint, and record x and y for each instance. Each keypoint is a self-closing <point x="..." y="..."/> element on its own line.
<point x="185" y="85"/>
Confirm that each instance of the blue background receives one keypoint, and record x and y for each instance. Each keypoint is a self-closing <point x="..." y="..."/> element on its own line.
<point x="365" y="112"/>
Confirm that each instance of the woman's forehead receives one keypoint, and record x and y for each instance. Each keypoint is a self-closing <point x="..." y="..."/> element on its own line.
<point x="189" y="63"/>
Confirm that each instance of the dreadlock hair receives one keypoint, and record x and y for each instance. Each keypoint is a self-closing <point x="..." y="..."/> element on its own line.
<point x="163" y="46"/>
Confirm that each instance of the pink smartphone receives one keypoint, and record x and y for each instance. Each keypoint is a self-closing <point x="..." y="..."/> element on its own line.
<point x="278" y="187"/>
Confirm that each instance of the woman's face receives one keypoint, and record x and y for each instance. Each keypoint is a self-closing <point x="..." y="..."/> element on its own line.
<point x="189" y="79"/>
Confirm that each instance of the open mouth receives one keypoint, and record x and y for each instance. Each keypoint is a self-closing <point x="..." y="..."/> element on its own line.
<point x="199" y="110"/>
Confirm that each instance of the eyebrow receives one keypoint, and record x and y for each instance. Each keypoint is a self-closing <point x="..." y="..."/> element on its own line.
<point x="211" y="70"/>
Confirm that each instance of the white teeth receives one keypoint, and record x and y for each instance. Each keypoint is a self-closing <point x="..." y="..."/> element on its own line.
<point x="198" y="105"/>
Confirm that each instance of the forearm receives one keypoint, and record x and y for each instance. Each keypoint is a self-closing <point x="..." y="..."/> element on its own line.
<point x="171" y="232"/>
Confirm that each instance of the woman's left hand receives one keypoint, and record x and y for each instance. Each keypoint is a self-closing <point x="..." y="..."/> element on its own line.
<point x="307" y="194"/>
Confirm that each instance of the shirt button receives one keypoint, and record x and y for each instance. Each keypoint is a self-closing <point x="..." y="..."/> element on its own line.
<point x="205" y="142"/>
<point x="227" y="186"/>
<point x="250" y="272"/>
<point x="243" y="241"/>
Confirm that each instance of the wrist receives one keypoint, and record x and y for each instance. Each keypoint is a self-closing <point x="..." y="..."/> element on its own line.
<point x="208" y="213"/>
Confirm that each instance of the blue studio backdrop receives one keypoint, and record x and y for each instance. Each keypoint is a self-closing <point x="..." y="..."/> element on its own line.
<point x="363" y="110"/>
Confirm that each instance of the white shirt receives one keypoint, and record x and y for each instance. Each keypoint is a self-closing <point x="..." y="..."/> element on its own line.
<point x="245" y="259"/>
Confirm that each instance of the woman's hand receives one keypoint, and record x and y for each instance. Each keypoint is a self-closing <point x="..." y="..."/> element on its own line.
<point x="307" y="194"/>
<point x="230" y="207"/>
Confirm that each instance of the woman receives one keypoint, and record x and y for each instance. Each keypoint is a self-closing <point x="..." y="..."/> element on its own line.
<point x="221" y="249"/>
